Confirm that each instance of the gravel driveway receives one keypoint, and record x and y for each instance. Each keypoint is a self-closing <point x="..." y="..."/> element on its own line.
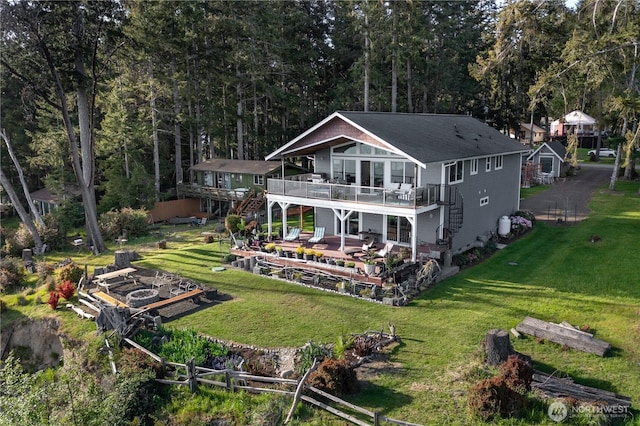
<point x="567" y="200"/>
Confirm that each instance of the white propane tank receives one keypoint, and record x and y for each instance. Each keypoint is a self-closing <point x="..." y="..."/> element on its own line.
<point x="504" y="226"/>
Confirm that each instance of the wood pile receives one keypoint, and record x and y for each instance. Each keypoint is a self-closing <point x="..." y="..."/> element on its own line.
<point x="564" y="334"/>
<point x="555" y="387"/>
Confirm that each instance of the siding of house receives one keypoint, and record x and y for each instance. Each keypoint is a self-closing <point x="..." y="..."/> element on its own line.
<point x="500" y="187"/>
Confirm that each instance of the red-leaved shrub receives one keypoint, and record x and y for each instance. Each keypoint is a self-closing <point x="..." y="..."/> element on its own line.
<point x="54" y="298"/>
<point x="66" y="290"/>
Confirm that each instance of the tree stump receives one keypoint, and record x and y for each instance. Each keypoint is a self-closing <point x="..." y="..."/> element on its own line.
<point x="122" y="259"/>
<point x="497" y="346"/>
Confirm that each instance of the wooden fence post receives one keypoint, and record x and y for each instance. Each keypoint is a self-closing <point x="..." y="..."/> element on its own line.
<point x="191" y="374"/>
<point x="299" y="390"/>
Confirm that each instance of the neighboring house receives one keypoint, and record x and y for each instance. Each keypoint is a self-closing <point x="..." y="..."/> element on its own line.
<point x="221" y="180"/>
<point x="410" y="179"/>
<point x="549" y="159"/>
<point x="578" y="123"/>
<point x="46" y="202"/>
<point x="526" y="133"/>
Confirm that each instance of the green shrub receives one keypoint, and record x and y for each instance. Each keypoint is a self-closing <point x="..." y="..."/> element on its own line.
<point x="70" y="272"/>
<point x="23" y="238"/>
<point x="54" y="234"/>
<point x="228" y="258"/>
<point x="233" y="223"/>
<point x="113" y="223"/>
<point x="69" y="215"/>
<point x="11" y="273"/>
<point x="308" y="353"/>
<point x="44" y="270"/>
<point x="181" y="345"/>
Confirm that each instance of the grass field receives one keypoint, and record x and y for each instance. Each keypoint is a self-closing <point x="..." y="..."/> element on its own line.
<point x="554" y="273"/>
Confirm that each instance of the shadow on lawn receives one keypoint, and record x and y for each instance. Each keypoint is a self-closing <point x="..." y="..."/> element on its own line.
<point x="581" y="380"/>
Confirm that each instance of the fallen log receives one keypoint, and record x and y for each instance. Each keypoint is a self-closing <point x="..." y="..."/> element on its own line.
<point x="562" y="335"/>
<point x="555" y="387"/>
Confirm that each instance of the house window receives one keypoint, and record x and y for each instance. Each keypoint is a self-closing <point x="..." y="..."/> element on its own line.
<point x="258" y="180"/>
<point x="488" y="164"/>
<point x="238" y="177"/>
<point x="484" y="201"/>
<point x="456" y="172"/>
<point x="402" y="172"/>
<point x="473" y="167"/>
<point x="344" y="170"/>
<point x="546" y="164"/>
<point x="350" y="148"/>
<point x="499" y="160"/>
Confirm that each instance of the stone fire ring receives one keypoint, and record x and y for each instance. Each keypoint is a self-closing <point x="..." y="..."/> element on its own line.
<point x="143" y="297"/>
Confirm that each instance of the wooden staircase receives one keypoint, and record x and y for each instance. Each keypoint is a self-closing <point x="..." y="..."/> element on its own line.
<point x="251" y="204"/>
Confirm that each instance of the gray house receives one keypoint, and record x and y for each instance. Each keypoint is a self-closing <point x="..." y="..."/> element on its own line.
<point x="549" y="160"/>
<point x="411" y="179"/>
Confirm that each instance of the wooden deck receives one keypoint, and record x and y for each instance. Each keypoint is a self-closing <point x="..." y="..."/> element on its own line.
<point x="330" y="248"/>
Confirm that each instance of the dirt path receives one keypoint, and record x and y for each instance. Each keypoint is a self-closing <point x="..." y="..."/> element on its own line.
<point x="568" y="200"/>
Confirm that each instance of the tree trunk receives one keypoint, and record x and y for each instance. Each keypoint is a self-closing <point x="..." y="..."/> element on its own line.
<point x="239" y="122"/>
<point x="616" y="167"/>
<point x="497" y="346"/>
<point x="409" y="88"/>
<point x="25" y="188"/>
<point x="24" y="216"/>
<point x="176" y="124"/>
<point x="394" y="62"/>
<point x="366" y="58"/>
<point x="156" y="141"/>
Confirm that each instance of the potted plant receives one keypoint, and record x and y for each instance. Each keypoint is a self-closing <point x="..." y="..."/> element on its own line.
<point x="308" y="254"/>
<point x="299" y="252"/>
<point x="319" y="257"/>
<point x="271" y="247"/>
<point x="350" y="264"/>
<point x="369" y="266"/>
<point x="280" y="251"/>
<point x="340" y="262"/>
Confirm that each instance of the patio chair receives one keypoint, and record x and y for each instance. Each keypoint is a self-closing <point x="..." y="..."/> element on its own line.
<point x="385" y="250"/>
<point x="318" y="235"/>
<point x="293" y="235"/>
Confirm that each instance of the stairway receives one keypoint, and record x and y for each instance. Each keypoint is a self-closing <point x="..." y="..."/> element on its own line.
<point x="453" y="224"/>
<point x="251" y="204"/>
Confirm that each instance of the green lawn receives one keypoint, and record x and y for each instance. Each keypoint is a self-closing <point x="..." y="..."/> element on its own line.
<point x="560" y="276"/>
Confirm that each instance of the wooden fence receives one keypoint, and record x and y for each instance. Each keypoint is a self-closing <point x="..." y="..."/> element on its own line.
<point x="190" y="375"/>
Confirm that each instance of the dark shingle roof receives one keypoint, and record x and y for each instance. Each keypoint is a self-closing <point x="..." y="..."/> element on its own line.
<point x="435" y="137"/>
<point x="558" y="148"/>
<point x="255" y="167"/>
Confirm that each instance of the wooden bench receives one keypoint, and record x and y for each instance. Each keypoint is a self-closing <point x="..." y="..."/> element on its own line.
<point x="108" y="299"/>
<point x="121" y="276"/>
<point x="178" y="298"/>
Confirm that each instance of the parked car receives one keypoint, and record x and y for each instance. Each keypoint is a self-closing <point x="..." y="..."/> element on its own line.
<point x="604" y="152"/>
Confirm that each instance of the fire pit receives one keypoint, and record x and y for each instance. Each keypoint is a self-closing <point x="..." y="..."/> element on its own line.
<point x="143" y="297"/>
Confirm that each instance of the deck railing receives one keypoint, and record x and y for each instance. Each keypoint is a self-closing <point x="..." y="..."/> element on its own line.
<point x="415" y="197"/>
